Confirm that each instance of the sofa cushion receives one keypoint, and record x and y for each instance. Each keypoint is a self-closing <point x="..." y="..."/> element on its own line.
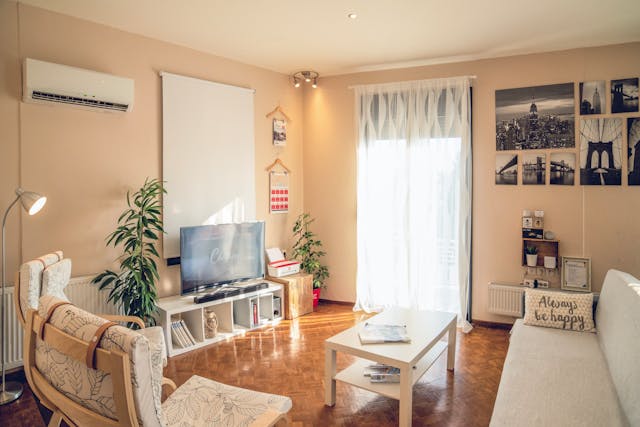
<point x="555" y="378"/>
<point x="618" y="317"/>
<point x="561" y="310"/>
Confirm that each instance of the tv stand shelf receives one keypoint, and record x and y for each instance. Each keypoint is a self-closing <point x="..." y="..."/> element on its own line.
<point x="234" y="314"/>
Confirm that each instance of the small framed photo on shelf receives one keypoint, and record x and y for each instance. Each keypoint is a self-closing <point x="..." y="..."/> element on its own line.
<point x="576" y="274"/>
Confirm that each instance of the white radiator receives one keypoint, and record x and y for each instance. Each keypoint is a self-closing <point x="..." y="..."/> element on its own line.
<point x="80" y="292"/>
<point x="506" y="300"/>
<point x="12" y="332"/>
<point x="89" y="297"/>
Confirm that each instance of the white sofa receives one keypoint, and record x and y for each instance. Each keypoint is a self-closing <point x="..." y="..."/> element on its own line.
<point x="553" y="377"/>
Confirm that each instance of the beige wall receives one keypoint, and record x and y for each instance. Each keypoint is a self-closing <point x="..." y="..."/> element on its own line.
<point x="597" y="222"/>
<point x="85" y="161"/>
<point x="9" y="147"/>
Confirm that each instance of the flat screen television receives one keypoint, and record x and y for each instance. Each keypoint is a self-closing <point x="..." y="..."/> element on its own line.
<point x="214" y="255"/>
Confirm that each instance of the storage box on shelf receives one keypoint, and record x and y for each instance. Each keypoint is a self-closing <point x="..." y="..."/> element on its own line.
<point x="230" y="312"/>
<point x="298" y="294"/>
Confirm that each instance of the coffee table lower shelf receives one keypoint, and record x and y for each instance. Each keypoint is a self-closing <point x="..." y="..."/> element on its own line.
<point x="354" y="374"/>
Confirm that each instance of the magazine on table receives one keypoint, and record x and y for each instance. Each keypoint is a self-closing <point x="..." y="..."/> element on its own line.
<point x="381" y="373"/>
<point x="373" y="333"/>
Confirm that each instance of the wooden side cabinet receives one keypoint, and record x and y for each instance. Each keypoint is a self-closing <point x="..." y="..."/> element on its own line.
<point x="298" y="294"/>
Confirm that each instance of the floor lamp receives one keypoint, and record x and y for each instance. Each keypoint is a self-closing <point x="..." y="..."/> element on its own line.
<point x="32" y="203"/>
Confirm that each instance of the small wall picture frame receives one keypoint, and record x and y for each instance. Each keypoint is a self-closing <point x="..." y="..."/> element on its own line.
<point x="279" y="132"/>
<point x="576" y="274"/>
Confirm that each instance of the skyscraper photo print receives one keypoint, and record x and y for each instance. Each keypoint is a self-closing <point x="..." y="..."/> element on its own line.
<point x="592" y="97"/>
<point x="535" y="117"/>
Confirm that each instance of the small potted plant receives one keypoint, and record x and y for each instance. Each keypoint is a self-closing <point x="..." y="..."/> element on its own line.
<point x="308" y="250"/>
<point x="532" y="255"/>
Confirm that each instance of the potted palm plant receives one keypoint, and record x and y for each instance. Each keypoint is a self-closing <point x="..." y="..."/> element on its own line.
<point x="308" y="251"/>
<point x="139" y="227"/>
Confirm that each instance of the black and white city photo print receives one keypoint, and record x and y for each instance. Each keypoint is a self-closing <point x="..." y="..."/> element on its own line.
<point x="533" y="168"/>
<point x="562" y="168"/>
<point x="601" y="151"/>
<point x="535" y="117"/>
<point x="624" y="95"/>
<point x="506" y="169"/>
<point x="592" y="97"/>
<point x="633" y="140"/>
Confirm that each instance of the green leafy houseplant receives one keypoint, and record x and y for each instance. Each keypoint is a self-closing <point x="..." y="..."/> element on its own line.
<point x="531" y="250"/>
<point x="308" y="250"/>
<point x="139" y="227"/>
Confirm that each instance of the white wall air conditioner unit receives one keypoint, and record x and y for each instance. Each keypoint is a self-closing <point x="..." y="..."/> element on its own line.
<point x="45" y="82"/>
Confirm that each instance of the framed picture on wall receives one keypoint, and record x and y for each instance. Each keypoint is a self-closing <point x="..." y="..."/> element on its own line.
<point x="633" y="141"/>
<point x="534" y="167"/>
<point x="624" y="95"/>
<point x="506" y="169"/>
<point x="562" y="168"/>
<point x="601" y="151"/>
<point x="279" y="132"/>
<point x="576" y="274"/>
<point x="535" y="117"/>
<point x="592" y="97"/>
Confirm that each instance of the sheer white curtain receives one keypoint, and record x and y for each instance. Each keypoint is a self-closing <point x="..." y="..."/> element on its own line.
<point x="414" y="196"/>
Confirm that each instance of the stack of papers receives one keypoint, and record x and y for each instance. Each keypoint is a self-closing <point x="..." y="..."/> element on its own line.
<point x="377" y="334"/>
<point x="381" y="373"/>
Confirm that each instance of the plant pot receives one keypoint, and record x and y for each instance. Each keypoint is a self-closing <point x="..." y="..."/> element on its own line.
<point x="316" y="297"/>
<point x="532" y="260"/>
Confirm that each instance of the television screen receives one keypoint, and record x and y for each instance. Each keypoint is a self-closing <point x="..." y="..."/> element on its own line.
<point x="213" y="255"/>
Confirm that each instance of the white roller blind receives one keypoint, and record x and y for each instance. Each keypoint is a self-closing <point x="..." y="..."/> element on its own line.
<point x="207" y="155"/>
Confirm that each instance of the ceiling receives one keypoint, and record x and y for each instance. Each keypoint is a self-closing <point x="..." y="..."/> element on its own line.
<point x="288" y="36"/>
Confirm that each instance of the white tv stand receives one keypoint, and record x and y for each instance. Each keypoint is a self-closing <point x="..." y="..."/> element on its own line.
<point x="229" y="324"/>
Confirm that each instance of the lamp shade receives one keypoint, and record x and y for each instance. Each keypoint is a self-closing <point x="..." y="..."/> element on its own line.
<point x="31" y="202"/>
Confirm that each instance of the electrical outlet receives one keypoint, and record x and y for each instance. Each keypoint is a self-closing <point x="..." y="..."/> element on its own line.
<point x="543" y="284"/>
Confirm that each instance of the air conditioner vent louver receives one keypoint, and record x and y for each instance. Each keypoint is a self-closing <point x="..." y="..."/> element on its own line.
<point x="78" y="101"/>
<point x="49" y="83"/>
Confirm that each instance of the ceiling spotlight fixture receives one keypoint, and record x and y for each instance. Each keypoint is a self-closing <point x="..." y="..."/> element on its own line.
<point x="307" y="76"/>
<point x="352" y="15"/>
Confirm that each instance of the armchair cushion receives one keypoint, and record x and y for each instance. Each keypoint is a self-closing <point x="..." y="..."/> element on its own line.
<point x="55" y="278"/>
<point x="158" y="349"/>
<point x="204" y="402"/>
<point x="93" y="388"/>
<point x="31" y="280"/>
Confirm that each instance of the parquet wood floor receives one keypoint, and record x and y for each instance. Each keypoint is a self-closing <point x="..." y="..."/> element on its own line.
<point x="288" y="359"/>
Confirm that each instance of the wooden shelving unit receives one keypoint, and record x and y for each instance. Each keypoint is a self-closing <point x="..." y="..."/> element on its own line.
<point x="545" y="248"/>
<point x="235" y="315"/>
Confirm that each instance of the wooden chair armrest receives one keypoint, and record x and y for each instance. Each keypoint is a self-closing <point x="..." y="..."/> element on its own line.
<point x="171" y="384"/>
<point x="118" y="318"/>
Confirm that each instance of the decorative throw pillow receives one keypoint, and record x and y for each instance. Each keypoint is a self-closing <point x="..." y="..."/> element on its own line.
<point x="55" y="278"/>
<point x="561" y="310"/>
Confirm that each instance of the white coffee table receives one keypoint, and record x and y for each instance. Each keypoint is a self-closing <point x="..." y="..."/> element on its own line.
<point x="425" y="328"/>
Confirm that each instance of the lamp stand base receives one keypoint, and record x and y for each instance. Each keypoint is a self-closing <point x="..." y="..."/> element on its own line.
<point x="12" y="391"/>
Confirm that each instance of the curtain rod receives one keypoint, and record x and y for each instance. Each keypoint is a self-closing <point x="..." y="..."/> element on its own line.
<point x="414" y="81"/>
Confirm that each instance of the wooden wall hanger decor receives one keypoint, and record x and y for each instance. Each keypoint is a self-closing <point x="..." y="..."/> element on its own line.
<point x="280" y="110"/>
<point x="278" y="162"/>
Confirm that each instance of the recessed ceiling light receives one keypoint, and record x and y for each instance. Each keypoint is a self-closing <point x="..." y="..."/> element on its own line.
<point x="352" y="15"/>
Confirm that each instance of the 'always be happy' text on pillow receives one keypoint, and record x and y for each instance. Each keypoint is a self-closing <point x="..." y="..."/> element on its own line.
<point x="561" y="310"/>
